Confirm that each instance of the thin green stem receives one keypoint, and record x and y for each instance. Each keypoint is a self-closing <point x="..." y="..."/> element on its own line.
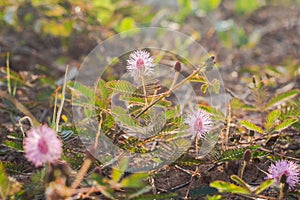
<point x="165" y="94"/>
<point x="144" y="89"/>
<point x="54" y="110"/>
<point x="196" y="146"/>
<point x="21" y="125"/>
<point x="281" y="193"/>
<point x="62" y="100"/>
<point x="242" y="169"/>
<point x="8" y="74"/>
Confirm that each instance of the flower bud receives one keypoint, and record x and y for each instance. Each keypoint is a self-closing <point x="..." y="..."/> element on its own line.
<point x="283" y="178"/>
<point x="177" y="66"/>
<point x="247" y="155"/>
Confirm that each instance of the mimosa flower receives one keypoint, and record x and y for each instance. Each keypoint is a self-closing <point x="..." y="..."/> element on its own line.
<point x="41" y="145"/>
<point x="140" y="63"/>
<point x="289" y="168"/>
<point x="199" y="123"/>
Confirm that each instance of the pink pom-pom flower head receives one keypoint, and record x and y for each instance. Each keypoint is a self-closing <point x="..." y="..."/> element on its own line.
<point x="289" y="168"/>
<point x="41" y="145"/>
<point x="140" y="63"/>
<point x="199" y="123"/>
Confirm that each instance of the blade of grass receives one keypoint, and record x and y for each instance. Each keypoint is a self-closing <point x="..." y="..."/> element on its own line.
<point x="8" y="74"/>
<point x="62" y="100"/>
<point x="54" y="111"/>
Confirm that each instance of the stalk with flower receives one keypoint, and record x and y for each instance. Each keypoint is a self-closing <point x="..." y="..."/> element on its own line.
<point x="199" y="123"/>
<point x="139" y="65"/>
<point x="288" y="168"/>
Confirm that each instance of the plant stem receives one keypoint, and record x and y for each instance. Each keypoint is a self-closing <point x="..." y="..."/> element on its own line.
<point x="242" y="169"/>
<point x="84" y="168"/>
<point x="62" y="100"/>
<point x="281" y="193"/>
<point x="228" y="126"/>
<point x="196" y="147"/>
<point x="165" y="94"/>
<point x="8" y="74"/>
<point x="99" y="131"/>
<point x="144" y="89"/>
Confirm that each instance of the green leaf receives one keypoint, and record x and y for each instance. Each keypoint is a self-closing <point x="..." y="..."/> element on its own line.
<point x="123" y="117"/>
<point x="107" y="4"/>
<point x="62" y="29"/>
<point x="55" y="10"/>
<point x="198" y="78"/>
<point x="117" y="172"/>
<point x="230" y="34"/>
<point x="208" y="5"/>
<point x="185" y="9"/>
<point x="4" y="182"/>
<point x="264" y="185"/>
<point x="215" y="86"/>
<point x="245" y="7"/>
<point x="232" y="154"/>
<point x="215" y="197"/>
<point x="285" y="124"/>
<point x="280" y="98"/>
<point x="141" y="100"/>
<point x="126" y="24"/>
<point x="13" y="168"/>
<point x="105" y="189"/>
<point x="134" y="180"/>
<point x="100" y="179"/>
<point x="108" y="121"/>
<point x="240" y="181"/>
<point x="123" y="87"/>
<point x="108" y="192"/>
<point x="14" y="145"/>
<point x="84" y="91"/>
<point x="214" y="112"/>
<point x="15" y="78"/>
<point x="251" y="126"/>
<point x="104" y="16"/>
<point x="102" y="96"/>
<point x="172" y="112"/>
<point x="229" y="187"/>
<point x="102" y="90"/>
<point x="105" y="10"/>
<point x="271" y="118"/>
<point x="259" y="154"/>
<point x="204" y="87"/>
<point x="238" y="104"/>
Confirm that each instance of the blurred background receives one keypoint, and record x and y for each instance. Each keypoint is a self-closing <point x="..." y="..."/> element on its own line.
<point x="257" y="36"/>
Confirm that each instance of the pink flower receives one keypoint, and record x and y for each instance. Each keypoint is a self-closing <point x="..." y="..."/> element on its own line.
<point x="140" y="63"/>
<point x="42" y="145"/>
<point x="199" y="123"/>
<point x="289" y="168"/>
